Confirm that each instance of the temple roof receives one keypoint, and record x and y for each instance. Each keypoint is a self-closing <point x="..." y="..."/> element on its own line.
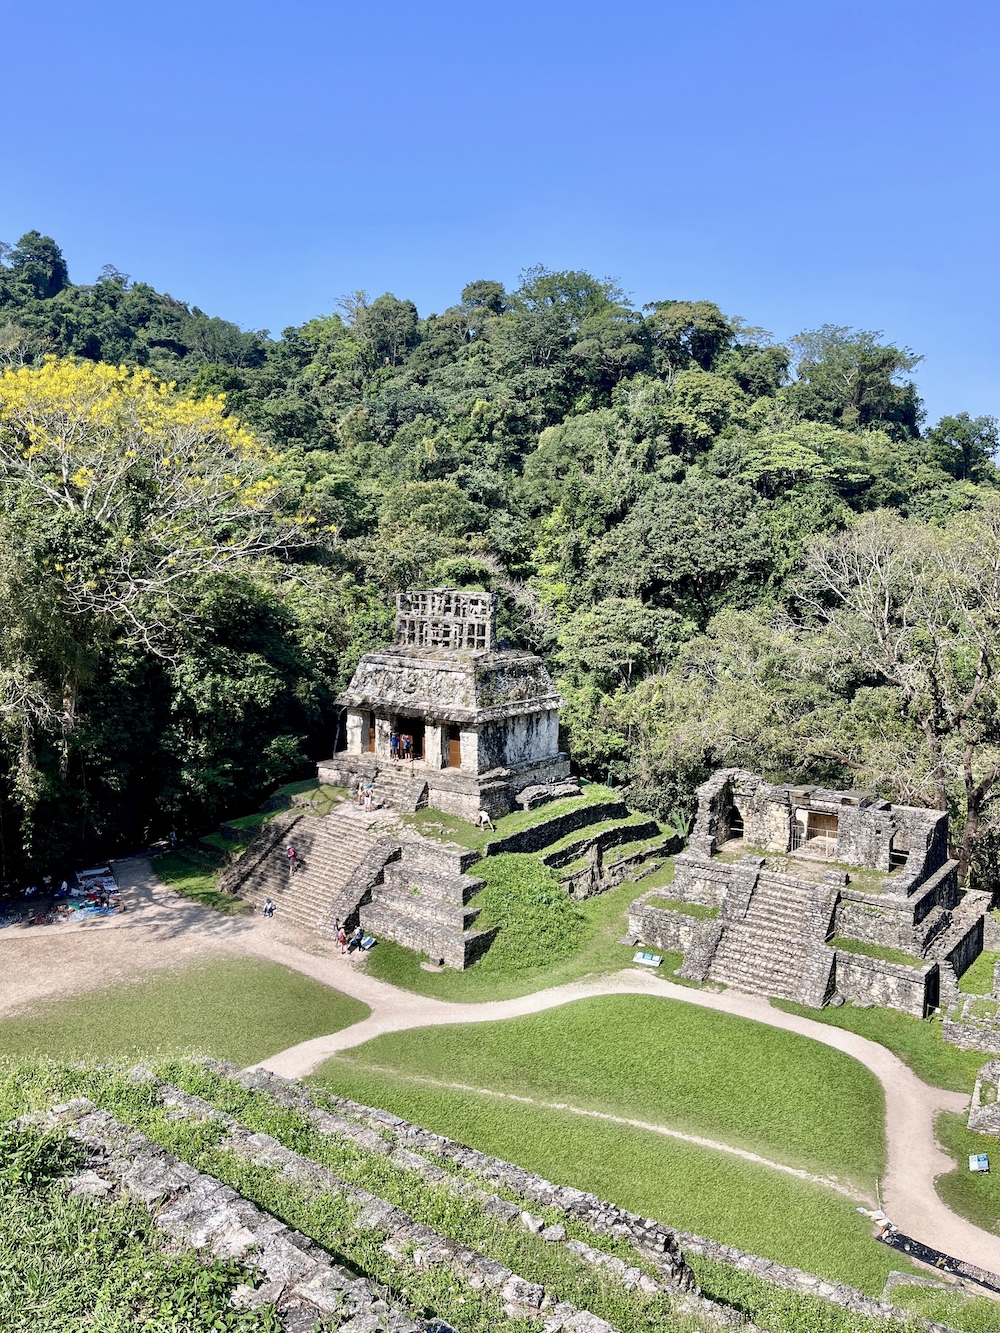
<point x="461" y="686"/>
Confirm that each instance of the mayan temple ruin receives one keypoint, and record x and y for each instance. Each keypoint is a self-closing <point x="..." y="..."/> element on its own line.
<point x="481" y="723"/>
<point x="443" y="719"/>
<point x="798" y="881"/>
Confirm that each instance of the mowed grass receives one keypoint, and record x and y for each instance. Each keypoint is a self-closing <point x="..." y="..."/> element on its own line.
<point x="695" y="1189"/>
<point x="667" y="1063"/>
<point x="972" y="1194"/>
<point x="954" y="1309"/>
<point x="527" y="967"/>
<point x="194" y="877"/>
<point x="978" y="979"/>
<point x="240" y="1009"/>
<point x="918" y="1042"/>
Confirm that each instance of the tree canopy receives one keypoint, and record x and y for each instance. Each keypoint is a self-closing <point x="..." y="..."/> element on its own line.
<point x="691" y="521"/>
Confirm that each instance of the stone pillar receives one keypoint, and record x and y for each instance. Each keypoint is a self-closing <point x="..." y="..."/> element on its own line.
<point x="470" y="750"/>
<point x="357" y="731"/>
<point x="435" y="744"/>
<point x="383" y="729"/>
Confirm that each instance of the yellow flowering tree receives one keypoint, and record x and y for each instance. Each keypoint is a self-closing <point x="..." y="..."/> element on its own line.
<point x="119" y="497"/>
<point x="143" y="487"/>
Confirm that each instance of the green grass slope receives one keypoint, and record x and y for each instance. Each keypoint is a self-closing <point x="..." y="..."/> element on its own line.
<point x="240" y="1009"/>
<point x="775" y="1093"/>
<point x="686" y="1186"/>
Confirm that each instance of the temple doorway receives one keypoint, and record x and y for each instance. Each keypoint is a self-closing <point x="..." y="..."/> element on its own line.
<point x="454" y="747"/>
<point x="412" y="729"/>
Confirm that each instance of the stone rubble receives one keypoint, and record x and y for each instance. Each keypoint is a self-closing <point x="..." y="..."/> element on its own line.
<point x="406" y="1239"/>
<point x="199" y="1212"/>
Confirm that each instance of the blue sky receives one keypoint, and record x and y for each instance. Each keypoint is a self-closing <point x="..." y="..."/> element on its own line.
<point x="799" y="164"/>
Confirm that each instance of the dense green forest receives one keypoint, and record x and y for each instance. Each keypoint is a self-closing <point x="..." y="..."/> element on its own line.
<point x="728" y="549"/>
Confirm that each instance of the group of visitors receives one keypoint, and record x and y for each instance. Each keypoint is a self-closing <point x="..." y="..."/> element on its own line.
<point x="356" y="940"/>
<point x="400" y="747"/>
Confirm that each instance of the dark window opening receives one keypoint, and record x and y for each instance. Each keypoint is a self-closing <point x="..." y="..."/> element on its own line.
<point x="897" y="856"/>
<point x="371" y="733"/>
<point x="735" y="822"/>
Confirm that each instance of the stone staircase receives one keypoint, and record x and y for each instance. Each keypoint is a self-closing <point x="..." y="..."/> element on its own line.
<point x="773" y="938"/>
<point x="398" y="786"/>
<point x="425" y="902"/>
<point x="330" y="851"/>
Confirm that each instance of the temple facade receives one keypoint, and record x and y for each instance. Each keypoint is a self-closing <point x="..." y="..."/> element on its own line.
<point x="444" y="718"/>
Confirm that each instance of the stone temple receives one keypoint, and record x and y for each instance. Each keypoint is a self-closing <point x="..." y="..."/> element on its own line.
<point x="818" y="896"/>
<point x="482" y="722"/>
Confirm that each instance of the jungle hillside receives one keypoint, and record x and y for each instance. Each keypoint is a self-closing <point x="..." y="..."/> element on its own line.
<point x="728" y="549"/>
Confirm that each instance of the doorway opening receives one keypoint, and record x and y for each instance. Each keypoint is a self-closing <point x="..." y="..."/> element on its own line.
<point x="454" y="747"/>
<point x="411" y="729"/>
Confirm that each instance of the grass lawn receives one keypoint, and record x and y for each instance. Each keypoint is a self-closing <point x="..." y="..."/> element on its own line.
<point x="698" y="910"/>
<point x="241" y="1009"/>
<point x="603" y="920"/>
<point x="881" y="951"/>
<point x="954" y="1309"/>
<point x="685" y="1186"/>
<point x="918" y="1042"/>
<point x="195" y="876"/>
<point x="978" y="979"/>
<point x="971" y="1194"/>
<point x="711" y="1074"/>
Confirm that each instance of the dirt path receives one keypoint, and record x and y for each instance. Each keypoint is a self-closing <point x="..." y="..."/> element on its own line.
<point x="162" y="930"/>
<point x="914" y="1157"/>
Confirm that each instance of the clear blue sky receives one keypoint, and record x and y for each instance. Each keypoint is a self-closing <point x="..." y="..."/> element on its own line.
<point x="808" y="163"/>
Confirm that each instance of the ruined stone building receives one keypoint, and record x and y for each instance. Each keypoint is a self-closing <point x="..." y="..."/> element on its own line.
<point x="799" y="881"/>
<point x="481" y="725"/>
<point x="481" y="722"/>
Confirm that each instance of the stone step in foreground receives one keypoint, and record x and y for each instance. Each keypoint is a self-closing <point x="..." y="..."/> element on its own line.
<point x="406" y="1239"/>
<point x="200" y="1212"/>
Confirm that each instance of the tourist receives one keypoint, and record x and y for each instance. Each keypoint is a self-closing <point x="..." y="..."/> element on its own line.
<point x="394" y="745"/>
<point x="172" y="839"/>
<point x="368" y="798"/>
<point x="407" y="747"/>
<point x="342" y="939"/>
<point x="269" y="907"/>
<point x="483" y="820"/>
<point x="293" y="859"/>
<point x="356" y="939"/>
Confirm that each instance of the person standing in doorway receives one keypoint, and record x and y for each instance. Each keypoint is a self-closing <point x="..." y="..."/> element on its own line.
<point x="394" y="745"/>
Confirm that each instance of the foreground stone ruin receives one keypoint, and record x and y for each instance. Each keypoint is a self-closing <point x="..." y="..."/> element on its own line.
<point x="784" y="870"/>
<point x="309" y="1289"/>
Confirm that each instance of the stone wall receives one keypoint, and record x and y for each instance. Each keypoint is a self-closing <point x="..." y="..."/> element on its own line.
<point x="794" y="1279"/>
<point x="874" y="920"/>
<point x="198" y="1211"/>
<point x="984" y="1114"/>
<point x="873" y="981"/>
<point x="551" y="830"/>
<point x="661" y="927"/>
<point x="700" y="879"/>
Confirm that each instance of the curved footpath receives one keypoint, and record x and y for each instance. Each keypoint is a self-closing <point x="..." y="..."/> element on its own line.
<point x="914" y="1158"/>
